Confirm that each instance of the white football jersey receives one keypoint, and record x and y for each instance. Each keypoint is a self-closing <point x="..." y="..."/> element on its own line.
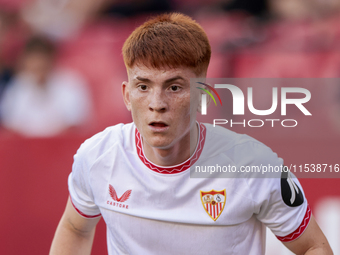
<point x="149" y="209"/>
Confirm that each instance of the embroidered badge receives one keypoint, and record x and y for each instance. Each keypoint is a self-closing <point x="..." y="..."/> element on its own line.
<point x="213" y="202"/>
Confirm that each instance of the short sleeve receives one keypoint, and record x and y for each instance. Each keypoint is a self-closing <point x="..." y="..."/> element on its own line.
<point x="279" y="200"/>
<point x="80" y="188"/>
<point x="286" y="211"/>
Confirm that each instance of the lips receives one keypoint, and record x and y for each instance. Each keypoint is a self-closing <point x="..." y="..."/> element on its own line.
<point x="158" y="124"/>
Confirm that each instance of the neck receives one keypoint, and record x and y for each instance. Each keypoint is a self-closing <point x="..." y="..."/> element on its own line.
<point x="176" y="154"/>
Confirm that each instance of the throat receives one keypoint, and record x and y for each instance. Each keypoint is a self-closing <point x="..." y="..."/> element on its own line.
<point x="175" y="154"/>
<point x="167" y="157"/>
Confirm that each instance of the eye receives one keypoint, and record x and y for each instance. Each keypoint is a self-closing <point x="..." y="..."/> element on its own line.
<point x="142" y="87"/>
<point x="174" y="88"/>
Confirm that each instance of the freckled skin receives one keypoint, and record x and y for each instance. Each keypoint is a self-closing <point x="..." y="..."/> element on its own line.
<point x="151" y="96"/>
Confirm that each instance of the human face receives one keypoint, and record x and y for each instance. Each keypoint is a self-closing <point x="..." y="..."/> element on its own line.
<point x="39" y="65"/>
<point x="159" y="101"/>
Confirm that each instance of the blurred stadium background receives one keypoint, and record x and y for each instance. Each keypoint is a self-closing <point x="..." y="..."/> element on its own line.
<point x="250" y="39"/>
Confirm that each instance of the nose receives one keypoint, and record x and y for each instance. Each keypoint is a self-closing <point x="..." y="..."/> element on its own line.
<point x="158" y="102"/>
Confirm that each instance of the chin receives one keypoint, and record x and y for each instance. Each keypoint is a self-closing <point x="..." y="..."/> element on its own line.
<point x="159" y="143"/>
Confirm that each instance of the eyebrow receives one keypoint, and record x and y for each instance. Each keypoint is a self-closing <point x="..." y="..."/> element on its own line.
<point x="178" y="77"/>
<point x="143" y="79"/>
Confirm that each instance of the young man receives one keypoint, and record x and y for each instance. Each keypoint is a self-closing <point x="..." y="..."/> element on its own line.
<point x="137" y="177"/>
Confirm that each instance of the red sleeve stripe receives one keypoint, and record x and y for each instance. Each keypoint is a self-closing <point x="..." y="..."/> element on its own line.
<point x="83" y="214"/>
<point x="299" y="230"/>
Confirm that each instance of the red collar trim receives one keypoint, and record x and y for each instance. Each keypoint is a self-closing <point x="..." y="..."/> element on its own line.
<point x="172" y="169"/>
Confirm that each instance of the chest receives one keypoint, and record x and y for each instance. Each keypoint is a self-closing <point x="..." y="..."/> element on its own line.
<point x="127" y="186"/>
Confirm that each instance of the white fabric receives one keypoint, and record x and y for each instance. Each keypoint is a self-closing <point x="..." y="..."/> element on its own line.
<point x="32" y="111"/>
<point x="164" y="213"/>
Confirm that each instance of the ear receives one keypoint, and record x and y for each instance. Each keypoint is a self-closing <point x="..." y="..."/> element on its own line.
<point x="126" y="95"/>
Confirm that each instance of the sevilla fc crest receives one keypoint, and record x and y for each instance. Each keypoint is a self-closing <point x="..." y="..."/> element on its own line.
<point x="213" y="202"/>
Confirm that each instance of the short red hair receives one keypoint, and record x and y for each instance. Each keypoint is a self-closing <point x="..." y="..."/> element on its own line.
<point x="169" y="40"/>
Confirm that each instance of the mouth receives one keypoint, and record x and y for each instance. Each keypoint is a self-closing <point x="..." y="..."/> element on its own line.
<point x="158" y="124"/>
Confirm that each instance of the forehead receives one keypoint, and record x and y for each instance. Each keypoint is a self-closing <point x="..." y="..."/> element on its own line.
<point x="159" y="74"/>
